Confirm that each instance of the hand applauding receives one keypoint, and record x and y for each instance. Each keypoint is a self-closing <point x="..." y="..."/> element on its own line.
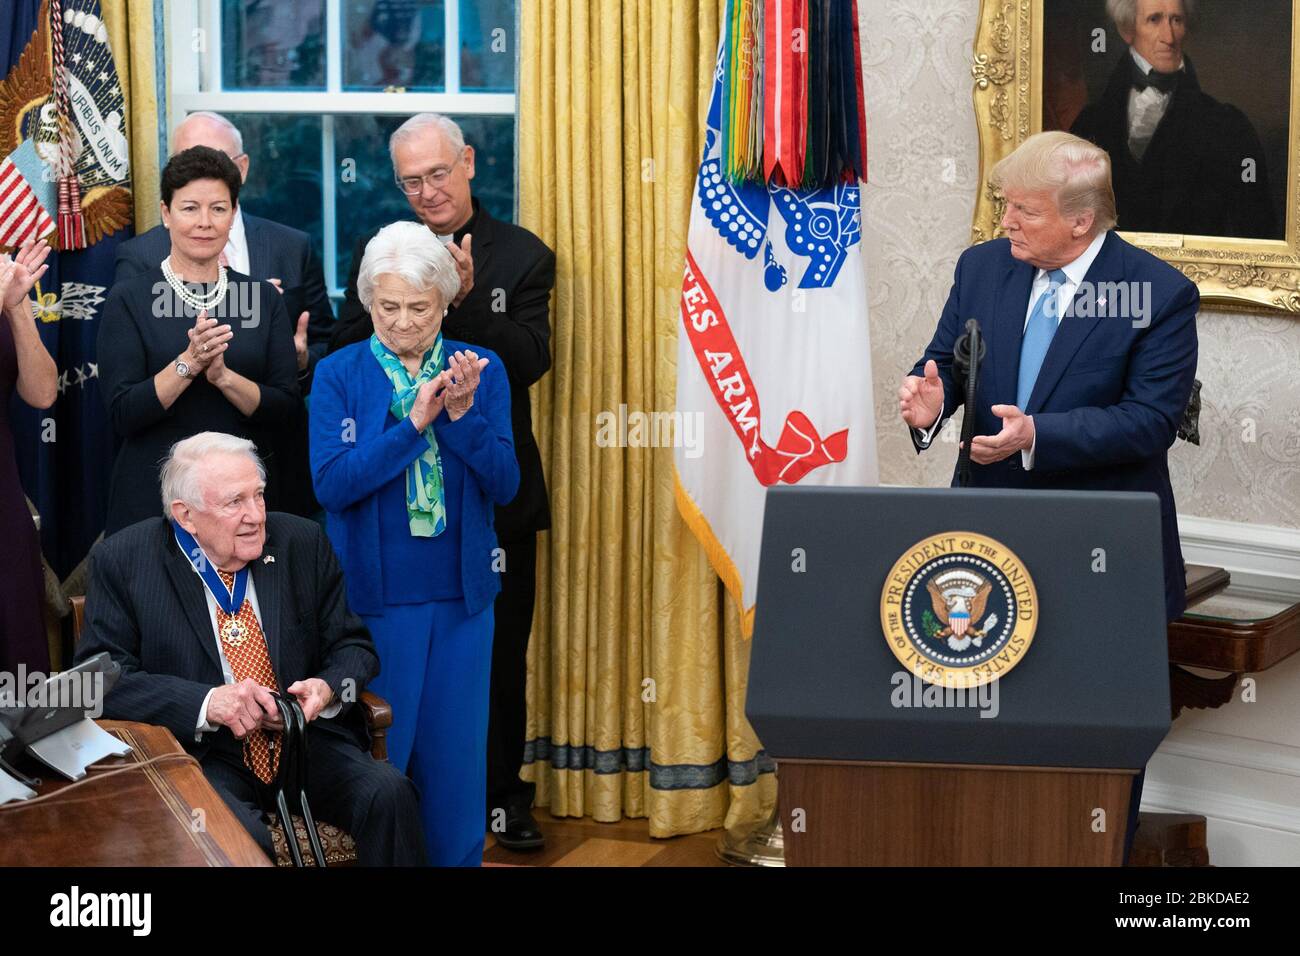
<point x="17" y="276"/>
<point x="463" y="368"/>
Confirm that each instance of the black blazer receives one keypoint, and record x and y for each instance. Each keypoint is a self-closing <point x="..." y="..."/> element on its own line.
<point x="513" y="271"/>
<point x="1190" y="178"/>
<point x="145" y="607"/>
<point x="135" y="341"/>
<point x="274" y="252"/>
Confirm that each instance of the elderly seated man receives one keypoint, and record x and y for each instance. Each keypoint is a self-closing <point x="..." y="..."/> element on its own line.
<point x="210" y="608"/>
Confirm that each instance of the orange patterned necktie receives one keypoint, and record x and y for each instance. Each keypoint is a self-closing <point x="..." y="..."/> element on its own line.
<point x="244" y="645"/>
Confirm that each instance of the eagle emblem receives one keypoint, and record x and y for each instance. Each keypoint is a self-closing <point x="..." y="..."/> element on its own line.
<point x="958" y="599"/>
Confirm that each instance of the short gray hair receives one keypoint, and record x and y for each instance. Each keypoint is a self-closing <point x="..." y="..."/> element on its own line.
<point x="420" y="122"/>
<point x="1075" y="171"/>
<point x="1124" y="13"/>
<point x="412" y="251"/>
<point x="220" y="121"/>
<point x="183" y="467"/>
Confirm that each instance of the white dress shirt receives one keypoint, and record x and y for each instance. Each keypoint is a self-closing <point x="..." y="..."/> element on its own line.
<point x="237" y="245"/>
<point x="1146" y="108"/>
<point x="1074" y="273"/>
<point x="228" y="675"/>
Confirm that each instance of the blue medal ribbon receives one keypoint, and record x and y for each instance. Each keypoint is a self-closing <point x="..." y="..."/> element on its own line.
<point x="228" y="601"/>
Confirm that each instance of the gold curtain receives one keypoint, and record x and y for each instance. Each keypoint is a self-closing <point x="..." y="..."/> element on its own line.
<point x="637" y="666"/>
<point x="131" y="34"/>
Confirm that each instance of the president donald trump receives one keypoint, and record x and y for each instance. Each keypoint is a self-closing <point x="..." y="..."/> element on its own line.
<point x="1091" y="345"/>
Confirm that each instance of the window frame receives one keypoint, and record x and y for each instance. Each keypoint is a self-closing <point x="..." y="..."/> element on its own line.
<point x="195" y="84"/>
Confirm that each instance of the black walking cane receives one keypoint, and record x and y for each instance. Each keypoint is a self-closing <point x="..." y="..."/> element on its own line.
<point x="290" y="783"/>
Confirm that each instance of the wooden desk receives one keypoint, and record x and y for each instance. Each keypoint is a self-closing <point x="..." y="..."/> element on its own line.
<point x="165" y="814"/>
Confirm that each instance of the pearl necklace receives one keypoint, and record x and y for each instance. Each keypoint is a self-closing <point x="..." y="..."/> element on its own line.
<point x="197" y="302"/>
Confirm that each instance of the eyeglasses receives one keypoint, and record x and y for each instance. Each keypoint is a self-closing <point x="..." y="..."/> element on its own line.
<point x="414" y="185"/>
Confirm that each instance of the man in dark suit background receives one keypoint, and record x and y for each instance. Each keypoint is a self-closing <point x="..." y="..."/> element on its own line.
<point x="156" y="608"/>
<point x="1179" y="156"/>
<point x="266" y="250"/>
<point x="1091" y="348"/>
<point x="507" y="310"/>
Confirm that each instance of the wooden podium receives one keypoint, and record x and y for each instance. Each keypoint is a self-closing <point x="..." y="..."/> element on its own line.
<point x="871" y="776"/>
<point x="907" y="814"/>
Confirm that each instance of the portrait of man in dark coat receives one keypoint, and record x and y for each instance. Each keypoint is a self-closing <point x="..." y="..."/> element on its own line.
<point x="1183" y="162"/>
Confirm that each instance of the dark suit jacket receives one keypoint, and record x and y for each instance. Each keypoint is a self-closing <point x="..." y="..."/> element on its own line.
<point x="1190" y="177"/>
<point x="274" y="252"/>
<point x="1109" y="396"/>
<point x="509" y="312"/>
<point x="145" y="607"/>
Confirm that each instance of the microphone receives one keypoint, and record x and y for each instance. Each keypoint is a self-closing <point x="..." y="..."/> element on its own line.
<point x="967" y="354"/>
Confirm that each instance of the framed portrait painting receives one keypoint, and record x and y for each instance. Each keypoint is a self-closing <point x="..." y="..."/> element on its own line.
<point x="1195" y="101"/>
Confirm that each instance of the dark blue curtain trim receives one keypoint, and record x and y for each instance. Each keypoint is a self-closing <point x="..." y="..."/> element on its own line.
<point x="680" y="776"/>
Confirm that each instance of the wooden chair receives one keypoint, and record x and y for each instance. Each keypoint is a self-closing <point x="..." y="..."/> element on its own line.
<point x="340" y="848"/>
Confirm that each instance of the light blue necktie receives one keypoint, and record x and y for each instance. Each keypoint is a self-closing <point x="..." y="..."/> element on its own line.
<point x="1038" y="337"/>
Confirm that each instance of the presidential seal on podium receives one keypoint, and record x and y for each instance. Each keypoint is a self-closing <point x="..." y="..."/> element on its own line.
<point x="959" y="609"/>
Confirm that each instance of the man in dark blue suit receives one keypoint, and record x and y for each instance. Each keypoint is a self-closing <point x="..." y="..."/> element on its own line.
<point x="264" y="250"/>
<point x="1091" y="346"/>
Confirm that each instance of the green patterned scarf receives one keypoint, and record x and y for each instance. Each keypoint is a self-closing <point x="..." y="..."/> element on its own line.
<point x="425" y="508"/>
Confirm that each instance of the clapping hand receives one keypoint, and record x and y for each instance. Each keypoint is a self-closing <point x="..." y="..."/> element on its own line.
<point x="464" y="266"/>
<point x="920" y="400"/>
<point x="300" y="340"/>
<point x="464" y="368"/>
<point x="429" y="402"/>
<point x="207" y="341"/>
<point x="18" y="275"/>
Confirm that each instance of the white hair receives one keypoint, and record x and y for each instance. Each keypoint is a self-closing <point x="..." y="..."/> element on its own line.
<point x="412" y="251"/>
<point x="422" y="121"/>
<point x="1075" y="171"/>
<point x="218" y="119"/>
<point x="182" y="470"/>
<point x="1124" y="13"/>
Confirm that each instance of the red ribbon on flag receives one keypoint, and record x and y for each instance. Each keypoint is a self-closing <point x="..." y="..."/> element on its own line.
<point x="800" y="448"/>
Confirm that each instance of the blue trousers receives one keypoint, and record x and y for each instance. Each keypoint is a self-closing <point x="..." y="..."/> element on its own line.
<point x="435" y="670"/>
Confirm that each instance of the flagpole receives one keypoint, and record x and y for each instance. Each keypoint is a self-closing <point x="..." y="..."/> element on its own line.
<point x="762" y="846"/>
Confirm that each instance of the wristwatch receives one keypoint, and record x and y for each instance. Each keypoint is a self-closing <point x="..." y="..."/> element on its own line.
<point x="183" y="369"/>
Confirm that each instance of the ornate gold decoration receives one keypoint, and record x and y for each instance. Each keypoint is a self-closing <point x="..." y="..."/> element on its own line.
<point x="1240" y="274"/>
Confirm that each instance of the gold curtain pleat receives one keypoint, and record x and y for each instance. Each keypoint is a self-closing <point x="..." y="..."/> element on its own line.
<point x="636" y="667"/>
<point x="131" y="35"/>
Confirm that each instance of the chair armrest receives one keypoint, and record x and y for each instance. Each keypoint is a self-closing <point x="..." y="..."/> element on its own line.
<point x="379" y="717"/>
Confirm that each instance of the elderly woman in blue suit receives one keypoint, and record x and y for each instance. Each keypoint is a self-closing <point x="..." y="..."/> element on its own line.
<point x="411" y="449"/>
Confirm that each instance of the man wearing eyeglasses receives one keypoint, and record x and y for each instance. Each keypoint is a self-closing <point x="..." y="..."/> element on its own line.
<point x="504" y="305"/>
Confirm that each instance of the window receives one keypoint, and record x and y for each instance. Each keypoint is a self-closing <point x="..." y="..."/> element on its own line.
<point x="317" y="86"/>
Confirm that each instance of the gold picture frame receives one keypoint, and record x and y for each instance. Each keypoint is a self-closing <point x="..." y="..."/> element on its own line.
<point x="1239" y="274"/>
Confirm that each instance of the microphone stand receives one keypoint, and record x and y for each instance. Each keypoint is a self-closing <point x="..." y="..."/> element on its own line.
<point x="967" y="354"/>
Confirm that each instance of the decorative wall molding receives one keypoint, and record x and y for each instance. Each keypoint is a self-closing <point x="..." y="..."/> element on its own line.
<point x="1259" y="555"/>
